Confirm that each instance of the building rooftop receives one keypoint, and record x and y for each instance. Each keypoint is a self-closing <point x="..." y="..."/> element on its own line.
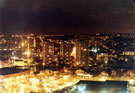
<point x="11" y="70"/>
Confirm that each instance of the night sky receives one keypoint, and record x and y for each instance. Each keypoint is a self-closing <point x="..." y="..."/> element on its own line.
<point x="66" y="16"/>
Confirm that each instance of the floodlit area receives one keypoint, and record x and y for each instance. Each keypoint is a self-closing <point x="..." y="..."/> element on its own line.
<point x="45" y="82"/>
<point x="41" y="83"/>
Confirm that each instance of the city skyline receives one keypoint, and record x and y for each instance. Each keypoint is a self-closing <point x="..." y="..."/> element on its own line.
<point x="62" y="46"/>
<point x="58" y="63"/>
<point x="66" y="17"/>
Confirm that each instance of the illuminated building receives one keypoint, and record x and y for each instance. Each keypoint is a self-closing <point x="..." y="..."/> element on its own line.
<point x="72" y="50"/>
<point x="83" y="52"/>
<point x="49" y="53"/>
<point x="78" y="53"/>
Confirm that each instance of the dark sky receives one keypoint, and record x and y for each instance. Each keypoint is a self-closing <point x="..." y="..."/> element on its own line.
<point x="66" y="16"/>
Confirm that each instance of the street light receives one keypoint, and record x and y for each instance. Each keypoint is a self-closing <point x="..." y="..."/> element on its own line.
<point x="28" y="53"/>
<point x="82" y="88"/>
<point x="22" y="44"/>
<point x="131" y="81"/>
<point x="69" y="84"/>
